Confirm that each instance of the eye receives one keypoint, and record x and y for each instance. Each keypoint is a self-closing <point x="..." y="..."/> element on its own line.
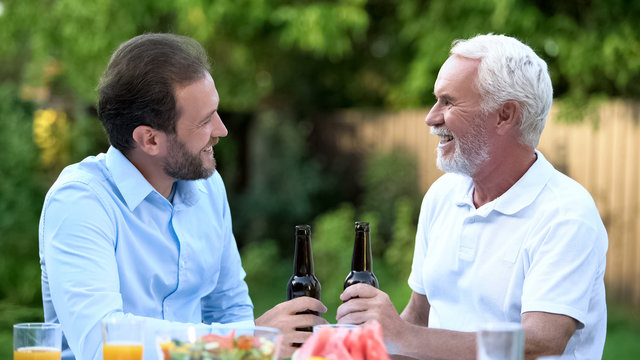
<point x="444" y="101"/>
<point x="206" y="121"/>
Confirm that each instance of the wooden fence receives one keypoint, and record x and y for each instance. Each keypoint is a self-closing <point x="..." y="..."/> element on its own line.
<point x="602" y="152"/>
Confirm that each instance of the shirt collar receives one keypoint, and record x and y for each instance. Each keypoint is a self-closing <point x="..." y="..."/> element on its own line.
<point x="520" y="195"/>
<point x="135" y="188"/>
<point x="527" y="188"/>
<point x="188" y="193"/>
<point x="127" y="178"/>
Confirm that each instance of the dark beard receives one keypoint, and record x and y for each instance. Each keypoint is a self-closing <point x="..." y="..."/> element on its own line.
<point x="181" y="164"/>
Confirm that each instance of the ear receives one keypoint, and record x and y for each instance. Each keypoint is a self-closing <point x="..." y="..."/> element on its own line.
<point x="148" y="139"/>
<point x="508" y="117"/>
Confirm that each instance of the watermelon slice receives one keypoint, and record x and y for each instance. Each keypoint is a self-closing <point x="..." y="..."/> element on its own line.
<point x="363" y="343"/>
<point x="336" y="349"/>
<point x="315" y="345"/>
<point x="355" y="345"/>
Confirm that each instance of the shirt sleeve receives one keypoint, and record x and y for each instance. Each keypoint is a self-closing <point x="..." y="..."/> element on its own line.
<point x="229" y="301"/>
<point x="564" y="269"/>
<point x="78" y="251"/>
<point x="79" y="240"/>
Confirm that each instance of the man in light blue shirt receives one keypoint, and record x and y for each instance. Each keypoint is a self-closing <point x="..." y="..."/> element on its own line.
<point x="145" y="229"/>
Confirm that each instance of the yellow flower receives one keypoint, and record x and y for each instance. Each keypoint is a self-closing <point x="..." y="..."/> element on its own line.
<point x="50" y="133"/>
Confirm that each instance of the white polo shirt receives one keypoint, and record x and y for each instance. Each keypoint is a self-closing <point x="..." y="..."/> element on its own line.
<point x="541" y="246"/>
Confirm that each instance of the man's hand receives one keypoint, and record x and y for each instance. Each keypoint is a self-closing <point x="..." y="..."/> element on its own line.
<point x="283" y="316"/>
<point x="364" y="303"/>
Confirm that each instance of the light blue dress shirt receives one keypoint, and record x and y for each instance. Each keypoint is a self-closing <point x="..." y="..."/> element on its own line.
<point x="111" y="245"/>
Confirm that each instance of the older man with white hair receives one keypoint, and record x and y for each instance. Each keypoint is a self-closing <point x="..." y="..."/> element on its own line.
<point x="502" y="236"/>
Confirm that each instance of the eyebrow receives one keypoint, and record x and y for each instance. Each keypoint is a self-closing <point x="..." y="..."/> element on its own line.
<point x="446" y="97"/>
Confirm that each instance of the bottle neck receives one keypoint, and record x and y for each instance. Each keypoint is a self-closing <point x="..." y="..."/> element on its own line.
<point x="362" y="260"/>
<point x="303" y="258"/>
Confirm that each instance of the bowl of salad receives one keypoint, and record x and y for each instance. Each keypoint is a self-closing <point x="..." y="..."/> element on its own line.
<point x="256" y="343"/>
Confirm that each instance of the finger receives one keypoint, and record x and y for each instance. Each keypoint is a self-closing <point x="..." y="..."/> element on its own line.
<point x="298" y="337"/>
<point x="357" y="318"/>
<point x="306" y="303"/>
<point x="304" y="320"/>
<point x="358" y="290"/>
<point x="295" y="337"/>
<point x="353" y="305"/>
<point x="320" y="321"/>
<point x="286" y="350"/>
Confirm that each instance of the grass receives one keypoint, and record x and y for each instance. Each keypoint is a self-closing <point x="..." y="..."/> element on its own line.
<point x="623" y="333"/>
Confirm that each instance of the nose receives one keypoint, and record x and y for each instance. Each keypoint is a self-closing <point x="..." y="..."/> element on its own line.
<point x="434" y="117"/>
<point x="218" y="130"/>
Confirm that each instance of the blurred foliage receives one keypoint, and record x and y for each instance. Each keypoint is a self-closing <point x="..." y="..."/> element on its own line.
<point x="623" y="332"/>
<point x="322" y="54"/>
<point x="387" y="178"/>
<point x="21" y="194"/>
<point x="285" y="186"/>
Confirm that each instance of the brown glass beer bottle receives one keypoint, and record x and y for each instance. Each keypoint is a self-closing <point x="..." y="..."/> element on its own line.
<point x="361" y="262"/>
<point x="303" y="282"/>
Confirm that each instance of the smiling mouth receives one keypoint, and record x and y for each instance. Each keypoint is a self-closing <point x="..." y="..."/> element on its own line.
<point x="445" y="138"/>
<point x="443" y="133"/>
<point x="209" y="148"/>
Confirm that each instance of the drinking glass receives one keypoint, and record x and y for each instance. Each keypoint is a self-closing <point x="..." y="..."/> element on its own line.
<point x="500" y="341"/>
<point x="37" y="341"/>
<point x="122" y="338"/>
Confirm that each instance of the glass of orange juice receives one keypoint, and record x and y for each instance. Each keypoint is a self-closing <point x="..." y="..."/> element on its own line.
<point x="37" y="341"/>
<point x="122" y="338"/>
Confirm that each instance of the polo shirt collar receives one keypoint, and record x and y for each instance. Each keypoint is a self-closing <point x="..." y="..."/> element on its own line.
<point x="520" y="195"/>
<point x="527" y="188"/>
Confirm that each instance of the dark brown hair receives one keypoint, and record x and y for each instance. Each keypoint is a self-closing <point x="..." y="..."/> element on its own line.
<point x="138" y="86"/>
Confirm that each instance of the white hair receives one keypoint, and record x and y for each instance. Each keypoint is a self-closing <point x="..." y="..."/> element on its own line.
<point x="511" y="70"/>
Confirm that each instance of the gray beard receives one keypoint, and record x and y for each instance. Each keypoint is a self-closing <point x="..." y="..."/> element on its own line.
<point x="470" y="152"/>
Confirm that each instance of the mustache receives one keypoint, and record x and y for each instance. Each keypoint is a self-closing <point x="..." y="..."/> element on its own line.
<point x="213" y="142"/>
<point x="441" y="131"/>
